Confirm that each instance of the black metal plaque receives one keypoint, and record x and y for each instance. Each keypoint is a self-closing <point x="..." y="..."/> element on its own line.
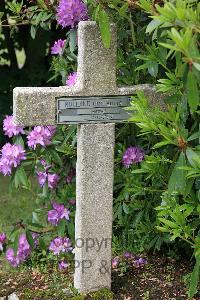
<point x="98" y="109"/>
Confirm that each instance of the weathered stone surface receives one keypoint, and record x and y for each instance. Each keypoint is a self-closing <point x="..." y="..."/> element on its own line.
<point x="95" y="156"/>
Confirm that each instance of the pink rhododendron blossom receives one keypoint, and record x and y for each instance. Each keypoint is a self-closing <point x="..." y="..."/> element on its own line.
<point x="115" y="262"/>
<point x="53" y="180"/>
<point x="71" y="79"/>
<point x="60" y="245"/>
<point x="62" y="265"/>
<point x="24" y="249"/>
<point x="70" y="12"/>
<point x="35" y="237"/>
<point x="5" y="167"/>
<point x="53" y="217"/>
<point x="11" y="156"/>
<point x="2" y="240"/>
<point x="40" y="135"/>
<point x="23" y="252"/>
<point x="11" y="258"/>
<point x="128" y="255"/>
<point x="9" y="127"/>
<point x="42" y="177"/>
<point x="140" y="261"/>
<point x="58" y="213"/>
<point x="132" y="155"/>
<point x="58" y="47"/>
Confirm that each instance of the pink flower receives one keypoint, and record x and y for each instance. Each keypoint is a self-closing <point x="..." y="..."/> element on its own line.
<point x="70" y="12"/>
<point x="9" y="127"/>
<point x="115" y="262"/>
<point x="133" y="155"/>
<point x="35" y="237"/>
<point x="24" y="249"/>
<point x="40" y="135"/>
<point x="42" y="177"/>
<point x="23" y="252"/>
<point x="62" y="265"/>
<point x="59" y="245"/>
<point x="5" y="167"/>
<point x="53" y="217"/>
<point x="53" y="180"/>
<point x="58" y="47"/>
<point x="11" y="156"/>
<point x="12" y="259"/>
<point x="58" y="213"/>
<point x="71" y="79"/>
<point x="2" y="240"/>
<point x="140" y="261"/>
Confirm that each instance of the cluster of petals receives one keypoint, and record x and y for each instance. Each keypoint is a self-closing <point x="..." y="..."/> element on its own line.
<point x="132" y="155"/>
<point x="11" y="156"/>
<point x="58" y="47"/>
<point x="2" y="240"/>
<point x="71" y="79"/>
<point x="62" y="265"/>
<point x="23" y="252"/>
<point x="9" y="127"/>
<point x="58" y="213"/>
<point x="70" y="12"/>
<point x="129" y="257"/>
<point x="35" y="237"/>
<point x="44" y="177"/>
<point x="115" y="262"/>
<point x="41" y="135"/>
<point x="60" y="245"/>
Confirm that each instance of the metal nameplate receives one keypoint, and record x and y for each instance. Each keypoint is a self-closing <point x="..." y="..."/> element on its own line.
<point x="99" y="109"/>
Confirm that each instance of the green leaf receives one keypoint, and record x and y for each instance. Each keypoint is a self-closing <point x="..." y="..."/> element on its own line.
<point x="122" y="11"/>
<point x="42" y="4"/>
<point x="153" y="69"/>
<point x="194" y="279"/>
<point x="168" y="223"/>
<point x="197" y="66"/>
<point x="161" y="144"/>
<point x="162" y="229"/>
<point x="61" y="227"/>
<point x="19" y="140"/>
<point x="177" y="181"/>
<point x="192" y="91"/>
<point x="72" y="40"/>
<point x="153" y="25"/>
<point x="30" y="239"/>
<point x="104" y="25"/>
<point x="56" y="157"/>
<point x="33" y="32"/>
<point x="193" y="158"/>
<point x="125" y="208"/>
<point x="21" y="178"/>
<point x="71" y="229"/>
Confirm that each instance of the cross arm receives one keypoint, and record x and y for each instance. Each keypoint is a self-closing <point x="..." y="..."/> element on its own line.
<point x="154" y="97"/>
<point x="37" y="105"/>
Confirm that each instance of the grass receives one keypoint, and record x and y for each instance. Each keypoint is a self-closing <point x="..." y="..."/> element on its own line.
<point x="14" y="206"/>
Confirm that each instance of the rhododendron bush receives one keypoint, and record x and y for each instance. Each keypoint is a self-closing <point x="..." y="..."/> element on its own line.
<point x="157" y="158"/>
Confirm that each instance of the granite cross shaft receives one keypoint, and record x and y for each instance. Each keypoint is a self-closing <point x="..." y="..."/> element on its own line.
<point x="95" y="151"/>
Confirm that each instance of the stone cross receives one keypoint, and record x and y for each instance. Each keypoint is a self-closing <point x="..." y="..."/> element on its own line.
<point x="95" y="151"/>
